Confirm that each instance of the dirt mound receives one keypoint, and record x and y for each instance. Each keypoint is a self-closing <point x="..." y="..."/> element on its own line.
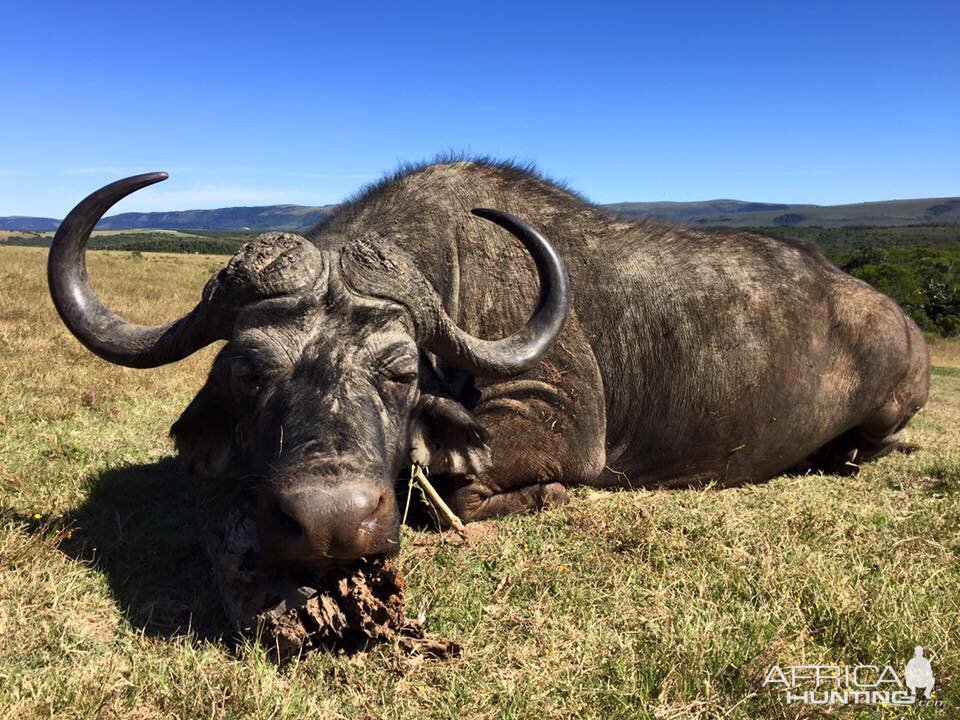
<point x="351" y="608"/>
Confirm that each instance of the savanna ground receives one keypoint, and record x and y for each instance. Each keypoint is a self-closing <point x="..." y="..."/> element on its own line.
<point x="667" y="604"/>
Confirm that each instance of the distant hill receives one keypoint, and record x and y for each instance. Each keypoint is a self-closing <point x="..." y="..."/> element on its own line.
<point x="33" y="224"/>
<point x="268" y="217"/>
<point x="709" y="212"/>
<point x="739" y="213"/>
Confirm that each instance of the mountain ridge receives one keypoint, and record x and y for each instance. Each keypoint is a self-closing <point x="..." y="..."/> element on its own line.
<point x="719" y="212"/>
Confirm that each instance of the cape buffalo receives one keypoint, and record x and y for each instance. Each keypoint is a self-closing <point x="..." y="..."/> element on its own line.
<point x="669" y="357"/>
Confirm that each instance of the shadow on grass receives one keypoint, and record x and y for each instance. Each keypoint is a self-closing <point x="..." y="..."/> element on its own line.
<point x="142" y="526"/>
<point x="139" y="526"/>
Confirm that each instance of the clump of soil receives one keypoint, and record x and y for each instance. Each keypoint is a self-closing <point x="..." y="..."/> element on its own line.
<point x="349" y="608"/>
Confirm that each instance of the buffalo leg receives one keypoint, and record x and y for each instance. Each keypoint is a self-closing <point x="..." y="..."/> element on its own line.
<point x="546" y="430"/>
<point x="875" y="437"/>
<point x="476" y="501"/>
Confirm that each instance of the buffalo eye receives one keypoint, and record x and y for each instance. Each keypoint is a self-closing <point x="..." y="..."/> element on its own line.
<point x="246" y="377"/>
<point x="400" y="372"/>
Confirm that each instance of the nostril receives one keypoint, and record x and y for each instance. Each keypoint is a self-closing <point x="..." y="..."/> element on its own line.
<point x="372" y="508"/>
<point x="283" y="522"/>
<point x="382" y="504"/>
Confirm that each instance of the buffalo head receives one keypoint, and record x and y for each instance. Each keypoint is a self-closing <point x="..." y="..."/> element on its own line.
<point x="323" y="387"/>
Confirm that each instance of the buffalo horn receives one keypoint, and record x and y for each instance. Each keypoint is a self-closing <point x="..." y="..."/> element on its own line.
<point x="522" y="350"/>
<point x="93" y="323"/>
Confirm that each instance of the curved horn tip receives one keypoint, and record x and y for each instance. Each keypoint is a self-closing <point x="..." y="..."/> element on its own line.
<point x="509" y="222"/>
<point x="148" y="178"/>
<point x="487" y="213"/>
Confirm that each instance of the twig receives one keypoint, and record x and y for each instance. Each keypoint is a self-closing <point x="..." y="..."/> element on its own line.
<point x="418" y="473"/>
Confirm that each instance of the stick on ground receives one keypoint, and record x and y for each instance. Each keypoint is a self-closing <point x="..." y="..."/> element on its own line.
<point x="418" y="473"/>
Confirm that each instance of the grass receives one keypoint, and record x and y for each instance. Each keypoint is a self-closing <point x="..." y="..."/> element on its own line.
<point x="664" y="604"/>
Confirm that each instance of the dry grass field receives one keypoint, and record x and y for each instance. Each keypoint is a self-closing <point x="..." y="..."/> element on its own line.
<point x="667" y="604"/>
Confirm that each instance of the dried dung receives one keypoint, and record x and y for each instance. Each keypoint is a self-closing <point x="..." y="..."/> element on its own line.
<point x="352" y="608"/>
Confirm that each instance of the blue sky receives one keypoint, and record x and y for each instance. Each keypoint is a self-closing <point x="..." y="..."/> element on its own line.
<point x="263" y="103"/>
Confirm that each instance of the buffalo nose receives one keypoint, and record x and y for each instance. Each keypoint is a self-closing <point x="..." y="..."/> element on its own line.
<point x="312" y="527"/>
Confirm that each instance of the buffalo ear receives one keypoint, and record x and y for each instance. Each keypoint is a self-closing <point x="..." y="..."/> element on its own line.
<point x="447" y="438"/>
<point x="203" y="435"/>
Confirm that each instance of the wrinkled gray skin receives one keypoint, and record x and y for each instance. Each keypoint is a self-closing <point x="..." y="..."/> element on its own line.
<point x="686" y="358"/>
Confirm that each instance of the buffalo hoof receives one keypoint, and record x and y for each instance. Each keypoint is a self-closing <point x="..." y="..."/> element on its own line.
<point x="475" y="502"/>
